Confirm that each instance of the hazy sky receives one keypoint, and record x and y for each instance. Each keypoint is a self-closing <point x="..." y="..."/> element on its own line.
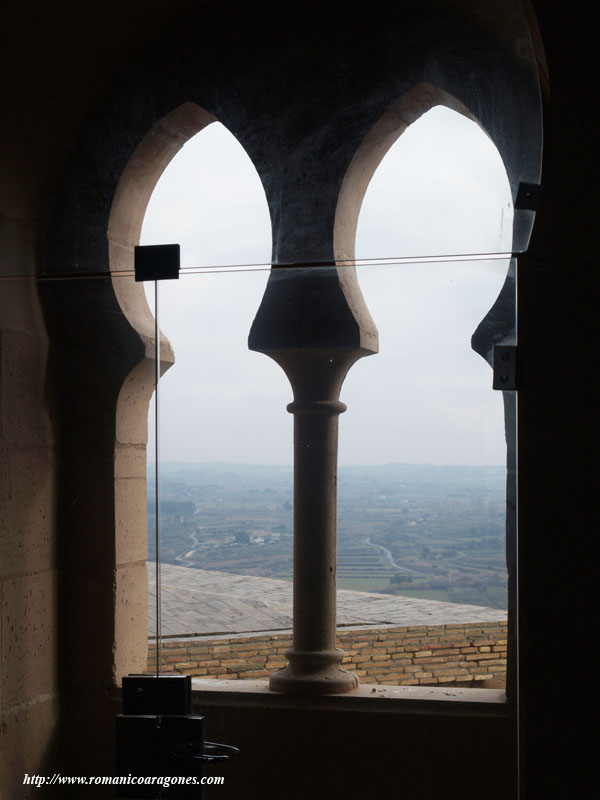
<point x="426" y="397"/>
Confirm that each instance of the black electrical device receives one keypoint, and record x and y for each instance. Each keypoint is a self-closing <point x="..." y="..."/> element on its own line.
<point x="161" y="751"/>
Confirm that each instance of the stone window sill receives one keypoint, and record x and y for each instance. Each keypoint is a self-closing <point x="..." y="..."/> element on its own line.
<point x="369" y="697"/>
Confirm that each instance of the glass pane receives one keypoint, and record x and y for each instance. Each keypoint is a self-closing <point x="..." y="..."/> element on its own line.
<point x="226" y="488"/>
<point x="425" y="498"/>
<point x="422" y="476"/>
<point x="422" y="522"/>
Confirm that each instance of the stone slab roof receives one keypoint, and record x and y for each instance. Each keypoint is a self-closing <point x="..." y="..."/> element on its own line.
<point x="198" y="601"/>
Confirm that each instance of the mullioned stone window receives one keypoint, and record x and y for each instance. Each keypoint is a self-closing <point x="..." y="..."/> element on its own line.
<point x="316" y="129"/>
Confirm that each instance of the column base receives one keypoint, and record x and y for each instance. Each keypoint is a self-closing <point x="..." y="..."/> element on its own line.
<point x="313" y="673"/>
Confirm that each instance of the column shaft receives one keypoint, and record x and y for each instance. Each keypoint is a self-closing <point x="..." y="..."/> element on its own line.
<point x="314" y="659"/>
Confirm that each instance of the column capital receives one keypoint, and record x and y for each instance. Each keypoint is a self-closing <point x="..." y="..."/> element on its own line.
<point x="316" y="308"/>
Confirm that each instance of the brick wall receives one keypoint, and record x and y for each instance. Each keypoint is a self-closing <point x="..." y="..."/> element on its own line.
<point x="409" y="656"/>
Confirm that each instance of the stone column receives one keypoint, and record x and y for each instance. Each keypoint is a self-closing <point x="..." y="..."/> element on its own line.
<point x="307" y="324"/>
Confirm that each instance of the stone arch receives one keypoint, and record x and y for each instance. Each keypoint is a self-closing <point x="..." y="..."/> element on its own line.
<point x="108" y="364"/>
<point x="138" y="180"/>
<point x="498" y="325"/>
<point x="142" y="171"/>
<point x="371" y="151"/>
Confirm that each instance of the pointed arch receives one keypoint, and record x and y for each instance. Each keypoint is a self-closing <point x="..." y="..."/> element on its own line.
<point x="369" y="155"/>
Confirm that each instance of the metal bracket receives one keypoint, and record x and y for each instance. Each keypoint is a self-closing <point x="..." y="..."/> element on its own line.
<point x="506" y="362"/>
<point x="158" y="738"/>
<point x="157" y="262"/>
<point x="529" y="197"/>
<point x="159" y="747"/>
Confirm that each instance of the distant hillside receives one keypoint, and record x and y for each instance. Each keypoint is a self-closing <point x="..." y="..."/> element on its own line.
<point x="423" y="530"/>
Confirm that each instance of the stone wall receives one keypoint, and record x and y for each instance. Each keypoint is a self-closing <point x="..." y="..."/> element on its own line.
<point x="29" y="581"/>
<point x="409" y="656"/>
